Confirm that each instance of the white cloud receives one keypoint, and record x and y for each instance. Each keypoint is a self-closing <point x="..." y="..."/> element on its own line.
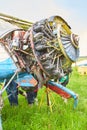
<point x="32" y="10"/>
<point x="83" y="43"/>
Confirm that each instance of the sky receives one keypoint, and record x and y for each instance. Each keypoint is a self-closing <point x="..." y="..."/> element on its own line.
<point x="74" y="12"/>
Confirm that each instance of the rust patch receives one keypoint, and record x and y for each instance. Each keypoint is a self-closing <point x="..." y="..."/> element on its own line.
<point x="24" y="81"/>
<point x="33" y="81"/>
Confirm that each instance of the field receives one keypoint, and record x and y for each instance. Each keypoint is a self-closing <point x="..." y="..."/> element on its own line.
<point x="63" y="117"/>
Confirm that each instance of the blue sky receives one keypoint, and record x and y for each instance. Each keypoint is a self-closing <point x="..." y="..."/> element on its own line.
<point x="73" y="11"/>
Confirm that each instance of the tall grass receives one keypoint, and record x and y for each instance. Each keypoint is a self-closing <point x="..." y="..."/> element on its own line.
<point x="63" y="117"/>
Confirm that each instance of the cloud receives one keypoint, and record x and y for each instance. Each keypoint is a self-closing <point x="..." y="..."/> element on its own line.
<point x="83" y="43"/>
<point x="32" y="10"/>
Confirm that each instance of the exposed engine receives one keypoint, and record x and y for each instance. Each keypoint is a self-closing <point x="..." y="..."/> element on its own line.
<point x="47" y="49"/>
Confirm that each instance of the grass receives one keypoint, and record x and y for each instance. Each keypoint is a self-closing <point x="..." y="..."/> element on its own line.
<point x="63" y="117"/>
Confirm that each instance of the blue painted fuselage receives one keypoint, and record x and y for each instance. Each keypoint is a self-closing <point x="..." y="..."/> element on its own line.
<point x="7" y="68"/>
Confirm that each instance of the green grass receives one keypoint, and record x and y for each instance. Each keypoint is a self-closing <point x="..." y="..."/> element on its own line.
<point x="63" y="117"/>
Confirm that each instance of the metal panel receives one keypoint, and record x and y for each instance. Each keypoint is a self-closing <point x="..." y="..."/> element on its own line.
<point x="6" y="27"/>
